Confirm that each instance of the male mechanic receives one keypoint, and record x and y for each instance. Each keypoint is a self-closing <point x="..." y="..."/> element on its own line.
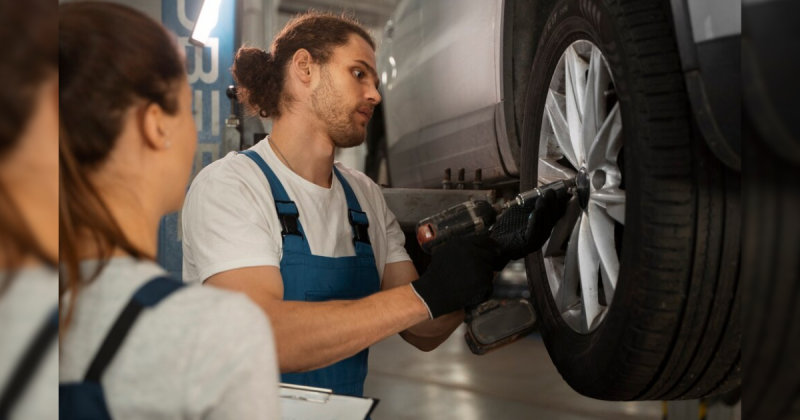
<point x="312" y="241"/>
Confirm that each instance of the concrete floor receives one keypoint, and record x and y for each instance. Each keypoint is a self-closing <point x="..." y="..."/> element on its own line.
<point x="515" y="382"/>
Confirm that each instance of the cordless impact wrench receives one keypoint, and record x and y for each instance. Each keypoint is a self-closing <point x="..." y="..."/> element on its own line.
<point x="496" y="322"/>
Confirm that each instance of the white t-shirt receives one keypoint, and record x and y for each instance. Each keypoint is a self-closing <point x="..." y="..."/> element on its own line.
<point x="201" y="353"/>
<point x="229" y="219"/>
<point x="24" y="308"/>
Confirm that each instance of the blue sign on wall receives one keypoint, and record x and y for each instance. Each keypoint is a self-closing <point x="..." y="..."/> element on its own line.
<point x="209" y="77"/>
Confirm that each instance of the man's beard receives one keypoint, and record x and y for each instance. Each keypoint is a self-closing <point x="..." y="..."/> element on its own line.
<point x="327" y="102"/>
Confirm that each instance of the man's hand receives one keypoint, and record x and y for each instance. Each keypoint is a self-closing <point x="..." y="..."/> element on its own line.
<point x="460" y="274"/>
<point x="524" y="229"/>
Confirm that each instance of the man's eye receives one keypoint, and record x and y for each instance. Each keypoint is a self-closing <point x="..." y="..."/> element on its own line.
<point x="358" y="73"/>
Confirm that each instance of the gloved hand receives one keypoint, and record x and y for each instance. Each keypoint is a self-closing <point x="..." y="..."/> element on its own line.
<point x="460" y="274"/>
<point x="524" y="229"/>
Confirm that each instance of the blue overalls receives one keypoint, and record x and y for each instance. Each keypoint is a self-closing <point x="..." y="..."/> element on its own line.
<point x="86" y="400"/>
<point x="312" y="278"/>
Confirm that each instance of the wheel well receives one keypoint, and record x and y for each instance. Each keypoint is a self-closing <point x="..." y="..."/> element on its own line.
<point x="520" y="40"/>
<point x="376" y="131"/>
<point x="376" y="144"/>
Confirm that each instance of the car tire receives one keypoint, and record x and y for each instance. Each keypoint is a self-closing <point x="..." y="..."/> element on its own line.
<point x="673" y="329"/>
<point x="770" y="281"/>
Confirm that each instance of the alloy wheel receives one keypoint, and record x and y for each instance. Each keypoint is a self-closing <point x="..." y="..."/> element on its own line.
<point x="581" y="136"/>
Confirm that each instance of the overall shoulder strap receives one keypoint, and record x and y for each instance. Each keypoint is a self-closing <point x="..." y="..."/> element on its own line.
<point x="27" y="367"/>
<point x="149" y="295"/>
<point x="358" y="219"/>
<point x="294" y="238"/>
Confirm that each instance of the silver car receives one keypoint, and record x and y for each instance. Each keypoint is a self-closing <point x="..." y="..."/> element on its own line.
<point x="637" y="289"/>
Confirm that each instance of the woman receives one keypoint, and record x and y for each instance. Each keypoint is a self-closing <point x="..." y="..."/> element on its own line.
<point x="28" y="209"/>
<point x="126" y="152"/>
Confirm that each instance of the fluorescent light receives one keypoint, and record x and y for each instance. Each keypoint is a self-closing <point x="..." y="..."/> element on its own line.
<point x="209" y="15"/>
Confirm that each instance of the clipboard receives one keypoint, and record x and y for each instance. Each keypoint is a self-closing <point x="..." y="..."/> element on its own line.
<point x="307" y="403"/>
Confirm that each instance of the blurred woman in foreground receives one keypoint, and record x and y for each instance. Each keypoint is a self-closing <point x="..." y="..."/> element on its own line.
<point x="127" y="146"/>
<point x="28" y="209"/>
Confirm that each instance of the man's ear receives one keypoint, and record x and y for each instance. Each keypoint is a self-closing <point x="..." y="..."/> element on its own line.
<point x="154" y="129"/>
<point x="302" y="65"/>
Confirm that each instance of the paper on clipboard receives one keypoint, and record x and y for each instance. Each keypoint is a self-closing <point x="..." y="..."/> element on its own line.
<point x="307" y="403"/>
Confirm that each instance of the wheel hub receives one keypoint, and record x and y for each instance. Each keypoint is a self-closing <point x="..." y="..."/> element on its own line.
<point x="582" y="187"/>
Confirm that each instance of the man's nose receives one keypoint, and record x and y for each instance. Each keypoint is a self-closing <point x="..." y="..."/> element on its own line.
<point x="373" y="96"/>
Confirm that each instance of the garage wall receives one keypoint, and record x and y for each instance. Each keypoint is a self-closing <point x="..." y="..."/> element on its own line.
<point x="209" y="77"/>
<point x="151" y="8"/>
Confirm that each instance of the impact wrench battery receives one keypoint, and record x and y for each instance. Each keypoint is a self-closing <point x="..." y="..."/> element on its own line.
<point x="496" y="322"/>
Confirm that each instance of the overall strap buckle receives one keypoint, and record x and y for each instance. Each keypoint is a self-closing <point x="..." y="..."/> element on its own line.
<point x="288" y="216"/>
<point x="360" y="223"/>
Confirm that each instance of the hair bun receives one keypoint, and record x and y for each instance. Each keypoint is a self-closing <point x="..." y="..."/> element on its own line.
<point x="263" y="57"/>
<point x="253" y="57"/>
<point x="253" y="72"/>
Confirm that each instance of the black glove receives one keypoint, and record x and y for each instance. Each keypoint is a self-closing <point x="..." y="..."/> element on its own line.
<point x="524" y="229"/>
<point x="459" y="275"/>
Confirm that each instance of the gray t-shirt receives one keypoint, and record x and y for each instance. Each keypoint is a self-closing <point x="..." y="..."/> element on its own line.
<point x="24" y="308"/>
<point x="202" y="353"/>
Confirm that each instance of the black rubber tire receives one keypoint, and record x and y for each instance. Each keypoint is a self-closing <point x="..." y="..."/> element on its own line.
<point x="771" y="245"/>
<point x="771" y="282"/>
<point x="674" y="328"/>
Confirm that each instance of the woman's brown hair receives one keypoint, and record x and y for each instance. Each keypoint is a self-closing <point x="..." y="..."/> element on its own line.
<point x="27" y="58"/>
<point x="110" y="59"/>
<point x="260" y="75"/>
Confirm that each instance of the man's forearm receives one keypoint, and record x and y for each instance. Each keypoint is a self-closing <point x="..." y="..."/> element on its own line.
<point x="428" y="335"/>
<point x="444" y="325"/>
<point x="312" y="335"/>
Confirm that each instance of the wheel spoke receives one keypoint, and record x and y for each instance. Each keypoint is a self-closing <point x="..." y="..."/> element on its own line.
<point x="602" y="226"/>
<point x="575" y="68"/>
<point x="555" y="276"/>
<point x="607" y="143"/>
<point x="608" y="286"/>
<point x="613" y="200"/>
<point x="594" y="103"/>
<point x="556" y="106"/>
<point x="550" y="171"/>
<point x="568" y="292"/>
<point x="588" y="263"/>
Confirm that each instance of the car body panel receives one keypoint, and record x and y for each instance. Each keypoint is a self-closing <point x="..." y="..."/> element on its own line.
<point x="708" y="34"/>
<point x="769" y="66"/>
<point x="443" y="84"/>
<point x="714" y="19"/>
<point x="459" y="60"/>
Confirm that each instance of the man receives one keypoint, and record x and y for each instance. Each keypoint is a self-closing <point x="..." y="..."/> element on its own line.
<point x="312" y="241"/>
